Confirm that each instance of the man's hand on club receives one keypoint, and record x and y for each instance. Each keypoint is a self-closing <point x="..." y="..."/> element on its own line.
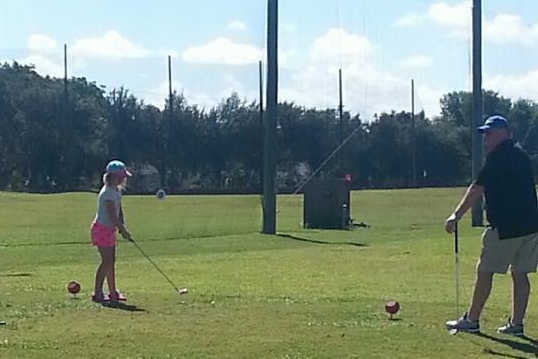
<point x="450" y="223"/>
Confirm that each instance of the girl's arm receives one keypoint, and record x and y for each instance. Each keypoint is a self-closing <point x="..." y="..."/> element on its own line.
<point x="117" y="221"/>
<point x="122" y="220"/>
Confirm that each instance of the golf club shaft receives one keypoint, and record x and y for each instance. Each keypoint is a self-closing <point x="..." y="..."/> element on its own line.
<point x="457" y="270"/>
<point x="155" y="265"/>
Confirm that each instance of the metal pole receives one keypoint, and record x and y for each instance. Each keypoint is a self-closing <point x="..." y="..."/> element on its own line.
<point x="414" y="135"/>
<point x="167" y="136"/>
<point x="477" y="211"/>
<point x="170" y="84"/>
<point x="260" y="69"/>
<point x="269" y="193"/>
<point x="65" y="71"/>
<point x="341" y="125"/>
<point x="66" y="126"/>
<point x="457" y="270"/>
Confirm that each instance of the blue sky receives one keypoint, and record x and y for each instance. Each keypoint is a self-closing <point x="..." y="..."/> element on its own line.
<point x="380" y="45"/>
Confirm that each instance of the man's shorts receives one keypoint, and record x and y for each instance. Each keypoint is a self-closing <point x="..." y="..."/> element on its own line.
<point x="520" y="253"/>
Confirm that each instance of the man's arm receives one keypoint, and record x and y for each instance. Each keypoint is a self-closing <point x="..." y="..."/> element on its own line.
<point x="473" y="193"/>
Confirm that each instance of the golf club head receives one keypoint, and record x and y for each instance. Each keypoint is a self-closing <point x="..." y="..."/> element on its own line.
<point x="182" y="291"/>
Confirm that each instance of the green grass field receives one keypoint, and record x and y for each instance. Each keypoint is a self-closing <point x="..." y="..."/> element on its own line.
<point x="301" y="294"/>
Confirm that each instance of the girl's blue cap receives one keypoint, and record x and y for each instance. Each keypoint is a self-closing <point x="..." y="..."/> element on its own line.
<point x="116" y="166"/>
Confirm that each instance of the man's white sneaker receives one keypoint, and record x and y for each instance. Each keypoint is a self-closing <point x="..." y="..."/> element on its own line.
<point x="463" y="325"/>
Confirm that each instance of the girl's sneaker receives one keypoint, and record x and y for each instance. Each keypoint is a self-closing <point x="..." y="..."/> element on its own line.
<point x="98" y="298"/>
<point x="511" y="329"/>
<point x="117" y="296"/>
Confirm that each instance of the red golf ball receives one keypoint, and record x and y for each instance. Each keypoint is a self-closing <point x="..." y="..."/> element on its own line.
<point x="392" y="307"/>
<point x="73" y="287"/>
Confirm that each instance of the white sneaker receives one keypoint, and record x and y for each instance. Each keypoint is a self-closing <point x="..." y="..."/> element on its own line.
<point x="463" y="325"/>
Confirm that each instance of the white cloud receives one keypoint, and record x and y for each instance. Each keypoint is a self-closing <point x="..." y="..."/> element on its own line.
<point x="236" y="25"/>
<point x="508" y="28"/>
<point x="199" y="95"/>
<point x="223" y="51"/>
<point x="227" y="86"/>
<point x="417" y="61"/>
<point x="502" y="29"/>
<point x="112" y="45"/>
<point x="47" y="56"/>
<point x="45" y="65"/>
<point x="165" y="53"/>
<point x="338" y="46"/>
<point x="158" y="95"/>
<point x="366" y="88"/>
<point x="288" y="28"/>
<point x="410" y="20"/>
<point x="41" y="43"/>
<point x="514" y="86"/>
<point x="456" y="18"/>
<point x="428" y="98"/>
<point x="44" y="54"/>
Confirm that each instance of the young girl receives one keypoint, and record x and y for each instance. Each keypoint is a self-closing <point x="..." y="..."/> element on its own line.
<point x="109" y="216"/>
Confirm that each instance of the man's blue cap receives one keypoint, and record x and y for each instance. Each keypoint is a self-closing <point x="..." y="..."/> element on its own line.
<point x="495" y="121"/>
<point x="116" y="166"/>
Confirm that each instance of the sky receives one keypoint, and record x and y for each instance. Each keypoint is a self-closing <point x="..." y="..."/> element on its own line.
<point x="216" y="45"/>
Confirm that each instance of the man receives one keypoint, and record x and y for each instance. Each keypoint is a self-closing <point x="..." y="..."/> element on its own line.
<point x="511" y="238"/>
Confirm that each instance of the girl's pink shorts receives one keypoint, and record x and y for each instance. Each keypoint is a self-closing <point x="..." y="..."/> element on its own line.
<point x="102" y="236"/>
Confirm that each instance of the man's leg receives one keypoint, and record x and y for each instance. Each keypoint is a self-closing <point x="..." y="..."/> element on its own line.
<point x="520" y="296"/>
<point x="492" y="260"/>
<point x="469" y="321"/>
<point x="481" y="292"/>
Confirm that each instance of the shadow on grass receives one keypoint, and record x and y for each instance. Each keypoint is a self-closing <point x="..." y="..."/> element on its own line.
<point x="122" y="306"/>
<point x="315" y="241"/>
<point x="529" y="348"/>
<point x="16" y="274"/>
<point x="43" y="244"/>
<point x="145" y="239"/>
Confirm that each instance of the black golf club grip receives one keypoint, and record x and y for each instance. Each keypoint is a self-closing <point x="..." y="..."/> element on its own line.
<point x="456" y="238"/>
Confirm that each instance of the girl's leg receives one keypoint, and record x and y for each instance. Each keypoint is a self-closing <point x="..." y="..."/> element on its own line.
<point x="107" y="262"/>
<point x="111" y="274"/>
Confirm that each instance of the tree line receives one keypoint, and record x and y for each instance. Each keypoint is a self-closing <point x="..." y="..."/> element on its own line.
<point x="57" y="136"/>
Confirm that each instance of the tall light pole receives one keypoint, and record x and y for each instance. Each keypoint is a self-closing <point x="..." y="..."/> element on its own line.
<point x="341" y="171"/>
<point x="477" y="211"/>
<point x="269" y="168"/>
<point x="414" y="134"/>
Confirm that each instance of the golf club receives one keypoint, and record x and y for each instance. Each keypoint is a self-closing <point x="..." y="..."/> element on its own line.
<point x="179" y="291"/>
<point x="457" y="275"/>
<point x="457" y="270"/>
